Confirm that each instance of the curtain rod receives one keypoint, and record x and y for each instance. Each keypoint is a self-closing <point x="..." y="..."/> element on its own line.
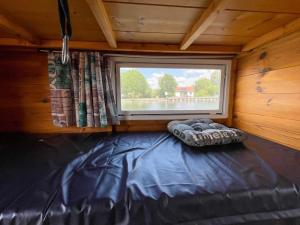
<point x="170" y="56"/>
<point x="48" y="50"/>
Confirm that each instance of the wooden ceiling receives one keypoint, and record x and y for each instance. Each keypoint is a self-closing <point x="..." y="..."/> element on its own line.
<point x="235" y="23"/>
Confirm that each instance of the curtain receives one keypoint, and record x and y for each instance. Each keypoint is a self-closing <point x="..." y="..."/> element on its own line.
<point x="81" y="92"/>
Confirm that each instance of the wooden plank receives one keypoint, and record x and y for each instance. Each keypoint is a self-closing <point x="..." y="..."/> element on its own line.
<point x="17" y="30"/>
<point x="273" y="35"/>
<point x="166" y="38"/>
<point x="274" y="6"/>
<point x="24" y="95"/>
<point x="140" y="125"/>
<point x="168" y="3"/>
<point x="283" y="125"/>
<point x="222" y="39"/>
<point x="126" y="47"/>
<point x="249" y="24"/>
<point x="149" y="125"/>
<point x="278" y="54"/>
<point x="205" y="20"/>
<point x="149" y="18"/>
<point x="153" y="37"/>
<point x="36" y="119"/>
<point x="42" y="18"/>
<point x="284" y="80"/>
<point x="276" y="135"/>
<point x="126" y="17"/>
<point x="101" y="16"/>
<point x="281" y="105"/>
<point x="5" y="34"/>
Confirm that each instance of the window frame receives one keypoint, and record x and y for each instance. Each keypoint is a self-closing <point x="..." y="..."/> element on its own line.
<point x="172" y="62"/>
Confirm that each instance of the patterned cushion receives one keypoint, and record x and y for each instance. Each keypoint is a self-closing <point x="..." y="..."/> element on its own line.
<point x="201" y="132"/>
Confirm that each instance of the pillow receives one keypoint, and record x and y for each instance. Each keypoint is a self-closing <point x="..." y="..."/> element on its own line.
<point x="202" y="132"/>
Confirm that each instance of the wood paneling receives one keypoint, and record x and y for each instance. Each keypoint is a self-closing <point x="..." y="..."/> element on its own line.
<point x="154" y="37"/>
<point x="277" y="33"/>
<point x="151" y="21"/>
<point x="281" y="136"/>
<point x="135" y="125"/>
<point x="4" y="33"/>
<point x="279" y="105"/>
<point x="149" y="37"/>
<point x="148" y="22"/>
<point x="41" y="17"/>
<point x="267" y="101"/>
<point x="275" y="6"/>
<point x="251" y="24"/>
<point x="149" y="18"/>
<point x="24" y="94"/>
<point x="17" y="30"/>
<point x="279" y="54"/>
<point x="222" y="39"/>
<point x="274" y="82"/>
<point x="150" y="125"/>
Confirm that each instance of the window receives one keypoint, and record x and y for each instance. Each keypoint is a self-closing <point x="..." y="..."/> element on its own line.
<point x="171" y="88"/>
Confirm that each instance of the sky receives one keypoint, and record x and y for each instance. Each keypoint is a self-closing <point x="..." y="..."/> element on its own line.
<point x="184" y="77"/>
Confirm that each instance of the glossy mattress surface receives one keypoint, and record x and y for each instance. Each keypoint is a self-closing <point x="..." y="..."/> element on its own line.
<point x="138" y="178"/>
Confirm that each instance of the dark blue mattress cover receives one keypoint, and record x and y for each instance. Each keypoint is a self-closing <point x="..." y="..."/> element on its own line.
<point x="138" y="178"/>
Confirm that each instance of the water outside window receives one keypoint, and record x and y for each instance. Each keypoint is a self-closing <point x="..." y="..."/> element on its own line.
<point x="146" y="89"/>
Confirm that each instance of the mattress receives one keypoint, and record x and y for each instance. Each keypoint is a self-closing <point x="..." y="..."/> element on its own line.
<point x="139" y="178"/>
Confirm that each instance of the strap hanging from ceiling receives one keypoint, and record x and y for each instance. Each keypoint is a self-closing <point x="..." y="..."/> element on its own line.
<point x="66" y="29"/>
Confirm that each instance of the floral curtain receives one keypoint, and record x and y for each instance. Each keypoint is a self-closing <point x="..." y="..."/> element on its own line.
<point x="81" y="92"/>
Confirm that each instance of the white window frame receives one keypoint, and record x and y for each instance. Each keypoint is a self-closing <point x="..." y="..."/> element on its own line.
<point x="172" y="62"/>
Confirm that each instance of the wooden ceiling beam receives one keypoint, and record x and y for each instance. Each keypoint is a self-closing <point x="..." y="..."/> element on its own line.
<point x="205" y="20"/>
<point x="102" y="18"/>
<point x="123" y="46"/>
<point x="273" y="35"/>
<point x="17" y="30"/>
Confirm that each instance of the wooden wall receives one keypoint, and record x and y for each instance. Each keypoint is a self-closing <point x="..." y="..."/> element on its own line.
<point x="24" y="94"/>
<point x="24" y="97"/>
<point x="267" y="101"/>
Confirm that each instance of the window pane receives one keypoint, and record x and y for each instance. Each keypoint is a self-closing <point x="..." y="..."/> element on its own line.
<point x="144" y="89"/>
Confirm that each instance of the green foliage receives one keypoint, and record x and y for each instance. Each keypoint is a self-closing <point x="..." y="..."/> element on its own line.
<point x="134" y="85"/>
<point x="205" y="87"/>
<point x="155" y="93"/>
<point x="167" y="86"/>
<point x="216" y="77"/>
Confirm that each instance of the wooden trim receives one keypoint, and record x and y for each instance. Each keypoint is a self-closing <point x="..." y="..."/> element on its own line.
<point x="101" y="16"/>
<point x="52" y="129"/>
<point x="17" y="30"/>
<point x="273" y="35"/>
<point x="205" y="20"/>
<point x="124" y="47"/>
<point x="182" y="4"/>
<point x="229" y="121"/>
<point x="148" y="125"/>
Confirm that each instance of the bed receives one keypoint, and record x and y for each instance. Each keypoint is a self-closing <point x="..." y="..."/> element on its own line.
<point x="145" y="178"/>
